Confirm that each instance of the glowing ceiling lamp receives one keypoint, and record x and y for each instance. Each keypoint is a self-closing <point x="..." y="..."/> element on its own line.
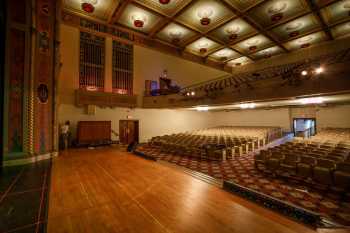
<point x="312" y="100"/>
<point x="305" y="42"/>
<point x="293" y="28"/>
<point x="203" y="46"/>
<point x="319" y="70"/>
<point x="175" y="35"/>
<point x="223" y="54"/>
<point x="276" y="11"/>
<point x="202" y="108"/>
<point x="88" y="5"/>
<point x="247" y="105"/>
<point x="253" y="44"/>
<point x="164" y="2"/>
<point x="232" y="31"/>
<point x="204" y="14"/>
<point x="139" y="20"/>
<point x="304" y="72"/>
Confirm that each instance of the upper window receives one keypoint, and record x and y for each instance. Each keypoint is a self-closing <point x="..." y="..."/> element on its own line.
<point x="92" y="62"/>
<point x="122" y="68"/>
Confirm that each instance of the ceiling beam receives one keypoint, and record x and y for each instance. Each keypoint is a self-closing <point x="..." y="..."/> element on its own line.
<point x="318" y="15"/>
<point x="119" y="11"/>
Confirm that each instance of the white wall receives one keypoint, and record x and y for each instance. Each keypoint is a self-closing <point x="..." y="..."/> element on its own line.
<point x="335" y="116"/>
<point x="259" y="117"/>
<point x="152" y="122"/>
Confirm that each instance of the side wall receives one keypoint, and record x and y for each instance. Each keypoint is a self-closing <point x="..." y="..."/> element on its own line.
<point x="152" y="122"/>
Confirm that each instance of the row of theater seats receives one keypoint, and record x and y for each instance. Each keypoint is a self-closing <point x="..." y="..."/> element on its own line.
<point x="216" y="143"/>
<point x="323" y="163"/>
<point x="332" y="135"/>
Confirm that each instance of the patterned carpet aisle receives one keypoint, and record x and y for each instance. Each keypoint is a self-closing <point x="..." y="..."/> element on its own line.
<point x="241" y="170"/>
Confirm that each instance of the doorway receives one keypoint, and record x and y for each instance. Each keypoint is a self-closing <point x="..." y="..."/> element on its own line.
<point x="128" y="131"/>
<point x="304" y="127"/>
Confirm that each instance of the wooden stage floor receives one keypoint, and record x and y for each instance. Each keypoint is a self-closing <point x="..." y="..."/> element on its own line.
<point x="108" y="190"/>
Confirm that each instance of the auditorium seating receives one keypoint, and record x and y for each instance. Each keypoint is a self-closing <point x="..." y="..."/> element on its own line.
<point x="324" y="159"/>
<point x="216" y="143"/>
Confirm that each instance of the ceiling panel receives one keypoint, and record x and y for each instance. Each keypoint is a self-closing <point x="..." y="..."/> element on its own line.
<point x="276" y="11"/>
<point x="341" y="30"/>
<point x="202" y="46"/>
<point x="176" y="34"/>
<point x="233" y="31"/>
<point x="224" y="55"/>
<point x="166" y="9"/>
<point x="297" y="27"/>
<point x="267" y="53"/>
<point x="133" y="14"/>
<point x="239" y="62"/>
<point x="306" y="41"/>
<point x="337" y="12"/>
<point x="209" y="12"/>
<point x="253" y="44"/>
<point x="102" y="9"/>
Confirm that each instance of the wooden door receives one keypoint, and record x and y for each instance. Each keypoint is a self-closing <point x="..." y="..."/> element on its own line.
<point x="128" y="131"/>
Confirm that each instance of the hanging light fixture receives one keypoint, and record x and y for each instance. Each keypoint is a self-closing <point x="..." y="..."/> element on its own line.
<point x="164" y="2"/>
<point x="232" y="31"/>
<point x="88" y="6"/>
<point x="204" y="14"/>
<point x="138" y="20"/>
<point x="175" y="35"/>
<point x="276" y="11"/>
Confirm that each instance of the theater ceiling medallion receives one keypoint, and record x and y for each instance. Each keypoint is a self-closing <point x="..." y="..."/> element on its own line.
<point x="224" y="54"/>
<point x="202" y="46"/>
<point x="306" y="41"/>
<point x="341" y="30"/>
<point x="175" y="34"/>
<point x="336" y="12"/>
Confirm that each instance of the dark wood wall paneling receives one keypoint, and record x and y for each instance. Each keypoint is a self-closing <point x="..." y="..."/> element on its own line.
<point x="2" y="73"/>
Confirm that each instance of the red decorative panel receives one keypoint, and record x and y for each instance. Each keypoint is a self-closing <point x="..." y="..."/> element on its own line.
<point x="43" y="87"/>
<point x="16" y="87"/>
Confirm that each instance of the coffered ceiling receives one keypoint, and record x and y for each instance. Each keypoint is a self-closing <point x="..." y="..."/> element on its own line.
<point x="230" y="32"/>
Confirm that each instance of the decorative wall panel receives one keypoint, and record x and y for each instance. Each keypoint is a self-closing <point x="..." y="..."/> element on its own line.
<point x="43" y="80"/>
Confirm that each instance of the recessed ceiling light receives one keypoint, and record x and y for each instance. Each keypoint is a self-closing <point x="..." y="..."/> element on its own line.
<point x="276" y="10"/>
<point x="193" y="93"/>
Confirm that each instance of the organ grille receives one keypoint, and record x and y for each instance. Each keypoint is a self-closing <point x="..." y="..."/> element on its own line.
<point x="122" y="68"/>
<point x="92" y="62"/>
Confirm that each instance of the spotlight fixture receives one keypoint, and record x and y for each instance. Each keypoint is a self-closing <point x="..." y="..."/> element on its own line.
<point x="204" y="15"/>
<point x="138" y="20"/>
<point x="276" y="11"/>
<point x="164" y="2"/>
<point x="188" y="94"/>
<point x="193" y="93"/>
<point x="88" y="6"/>
<point x="304" y="72"/>
<point x="319" y="70"/>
